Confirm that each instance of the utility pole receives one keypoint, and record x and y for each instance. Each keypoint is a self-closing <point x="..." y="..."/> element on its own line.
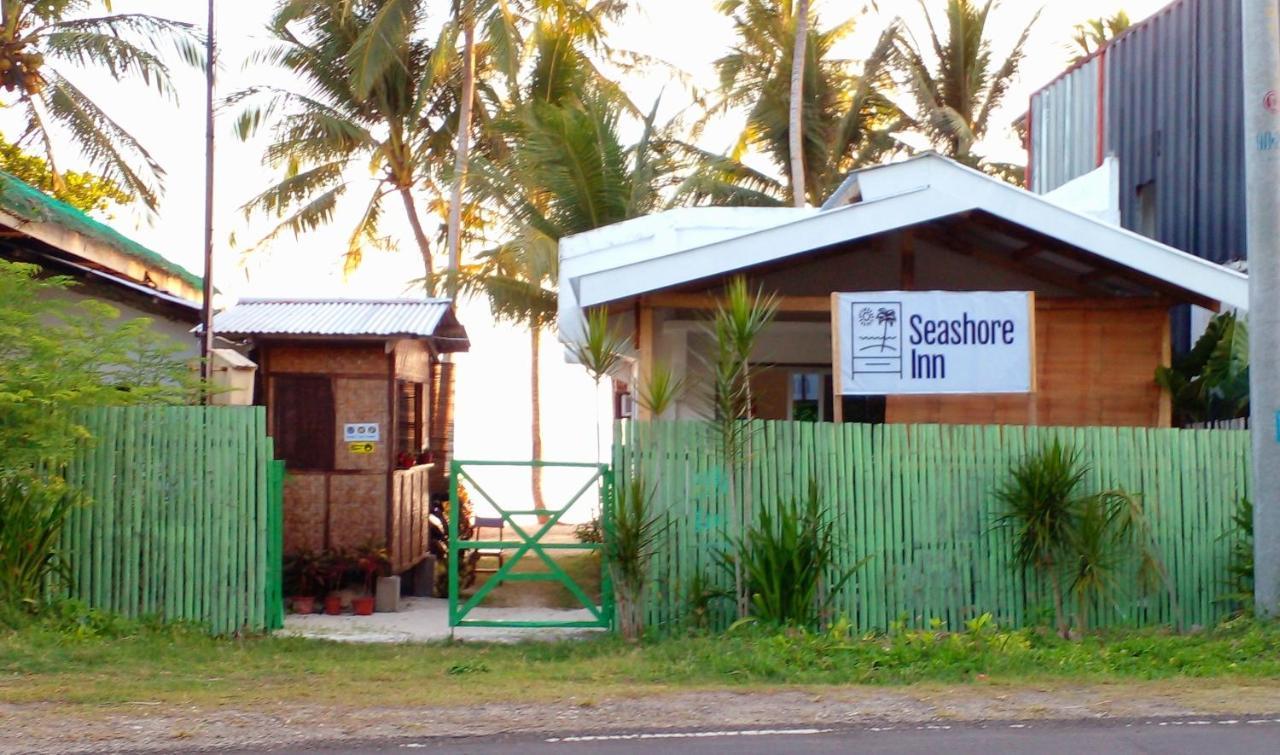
<point x="1261" y="22"/>
<point x="206" y="314"/>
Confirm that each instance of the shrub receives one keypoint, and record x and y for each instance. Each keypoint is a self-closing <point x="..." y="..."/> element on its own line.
<point x="1240" y="566"/>
<point x="589" y="531"/>
<point x="33" y="511"/>
<point x="1063" y="533"/>
<point x="628" y="548"/>
<point x="785" y="559"/>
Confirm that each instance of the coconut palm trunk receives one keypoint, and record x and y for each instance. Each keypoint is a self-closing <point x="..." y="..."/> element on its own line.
<point x="419" y="235"/>
<point x="796" y="128"/>
<point x="464" y="139"/>
<point x="535" y="419"/>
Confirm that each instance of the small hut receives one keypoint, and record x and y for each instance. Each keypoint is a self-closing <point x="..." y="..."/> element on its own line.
<point x="359" y="400"/>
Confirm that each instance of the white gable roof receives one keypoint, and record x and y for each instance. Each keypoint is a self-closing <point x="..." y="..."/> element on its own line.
<point x="679" y="246"/>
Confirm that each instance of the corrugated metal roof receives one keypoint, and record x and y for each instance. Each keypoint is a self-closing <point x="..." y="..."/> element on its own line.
<point x="335" y="317"/>
<point x="1065" y="127"/>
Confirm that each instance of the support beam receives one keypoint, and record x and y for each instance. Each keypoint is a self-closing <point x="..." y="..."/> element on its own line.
<point x="996" y="259"/>
<point x="647" y="348"/>
<point x="907" y="260"/>
<point x="793" y="304"/>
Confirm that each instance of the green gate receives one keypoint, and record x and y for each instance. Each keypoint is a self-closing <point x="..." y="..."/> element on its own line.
<point x="528" y="543"/>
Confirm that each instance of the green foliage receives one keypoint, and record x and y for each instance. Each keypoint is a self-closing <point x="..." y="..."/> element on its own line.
<point x="661" y="389"/>
<point x="1039" y="499"/>
<point x="1092" y="35"/>
<point x="601" y="347"/>
<point x="1088" y="539"/>
<point x="957" y="84"/>
<point x="68" y="654"/>
<point x="38" y="38"/>
<point x="84" y="191"/>
<point x="372" y="100"/>
<point x="1240" y="566"/>
<point x="33" y="511"/>
<point x="1211" y="381"/>
<point x="789" y="558"/>
<point x="304" y="574"/>
<point x="848" y="117"/>
<point x="630" y="543"/>
<point x="589" y="531"/>
<point x="740" y="318"/>
<point x="58" y="355"/>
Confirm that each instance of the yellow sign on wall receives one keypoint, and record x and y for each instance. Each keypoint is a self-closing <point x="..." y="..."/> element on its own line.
<point x="362" y="447"/>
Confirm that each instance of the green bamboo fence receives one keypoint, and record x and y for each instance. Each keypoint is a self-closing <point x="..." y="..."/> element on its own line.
<point x="918" y="503"/>
<point x="183" y="519"/>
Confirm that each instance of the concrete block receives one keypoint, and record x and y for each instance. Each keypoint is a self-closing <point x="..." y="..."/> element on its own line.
<point x="387" y="595"/>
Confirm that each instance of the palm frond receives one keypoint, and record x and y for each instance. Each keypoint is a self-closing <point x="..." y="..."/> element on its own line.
<point x="381" y="44"/>
<point x="107" y="146"/>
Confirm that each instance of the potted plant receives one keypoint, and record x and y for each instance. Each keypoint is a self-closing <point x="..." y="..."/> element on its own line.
<point x="372" y="562"/>
<point x="302" y="577"/>
<point x="334" y="566"/>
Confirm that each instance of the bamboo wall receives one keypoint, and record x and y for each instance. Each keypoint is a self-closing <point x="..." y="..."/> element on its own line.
<point x="184" y="517"/>
<point x="918" y="502"/>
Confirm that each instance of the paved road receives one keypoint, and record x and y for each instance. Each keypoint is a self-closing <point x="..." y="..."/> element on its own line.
<point x="1243" y="736"/>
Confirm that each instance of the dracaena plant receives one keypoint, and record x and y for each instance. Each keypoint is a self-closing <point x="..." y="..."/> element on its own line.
<point x="1084" y="543"/>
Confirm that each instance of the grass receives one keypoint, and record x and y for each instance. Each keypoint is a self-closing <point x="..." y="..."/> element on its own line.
<point x="582" y="567"/>
<point x="84" y="658"/>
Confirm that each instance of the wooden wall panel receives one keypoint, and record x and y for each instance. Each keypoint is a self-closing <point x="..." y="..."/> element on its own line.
<point x="357" y="509"/>
<point x="1095" y="366"/>
<point x="304" y="511"/>
<point x="361" y="400"/>
<point x="771" y="393"/>
<point x="361" y="359"/>
<point x="413" y="361"/>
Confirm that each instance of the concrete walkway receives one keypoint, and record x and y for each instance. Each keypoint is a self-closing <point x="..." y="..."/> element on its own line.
<point x="427" y="620"/>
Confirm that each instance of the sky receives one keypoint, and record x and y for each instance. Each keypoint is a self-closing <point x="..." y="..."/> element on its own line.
<point x="493" y="413"/>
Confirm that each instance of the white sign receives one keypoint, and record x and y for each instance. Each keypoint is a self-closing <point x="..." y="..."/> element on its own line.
<point x="361" y="431"/>
<point x="931" y="342"/>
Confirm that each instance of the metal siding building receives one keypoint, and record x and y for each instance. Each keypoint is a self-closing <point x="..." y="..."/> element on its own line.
<point x="1172" y="115"/>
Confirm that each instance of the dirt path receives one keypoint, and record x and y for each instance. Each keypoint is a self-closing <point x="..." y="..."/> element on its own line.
<point x="49" y="727"/>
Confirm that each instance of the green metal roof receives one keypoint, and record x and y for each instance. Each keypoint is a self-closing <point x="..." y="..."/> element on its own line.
<point x="29" y="203"/>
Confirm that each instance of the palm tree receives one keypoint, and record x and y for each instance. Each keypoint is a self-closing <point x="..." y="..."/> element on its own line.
<point x="36" y="36"/>
<point x="957" y="84"/>
<point x="564" y="171"/>
<point x="847" y="119"/>
<point x="370" y="91"/>
<point x="1092" y="35"/>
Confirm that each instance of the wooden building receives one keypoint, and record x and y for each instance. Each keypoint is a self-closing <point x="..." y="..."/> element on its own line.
<point x="358" y="396"/>
<point x="1102" y="295"/>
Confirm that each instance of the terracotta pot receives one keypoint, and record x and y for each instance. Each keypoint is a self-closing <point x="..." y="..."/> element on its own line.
<point x="333" y="605"/>
<point x="363" y="606"/>
<point x="304" y="604"/>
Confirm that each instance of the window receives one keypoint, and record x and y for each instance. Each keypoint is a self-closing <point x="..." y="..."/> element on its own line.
<point x="409" y="402"/>
<point x="807" y="396"/>
<point x="303" y="421"/>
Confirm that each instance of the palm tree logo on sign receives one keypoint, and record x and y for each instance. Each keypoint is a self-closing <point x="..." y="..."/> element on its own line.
<point x="877" y="337"/>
